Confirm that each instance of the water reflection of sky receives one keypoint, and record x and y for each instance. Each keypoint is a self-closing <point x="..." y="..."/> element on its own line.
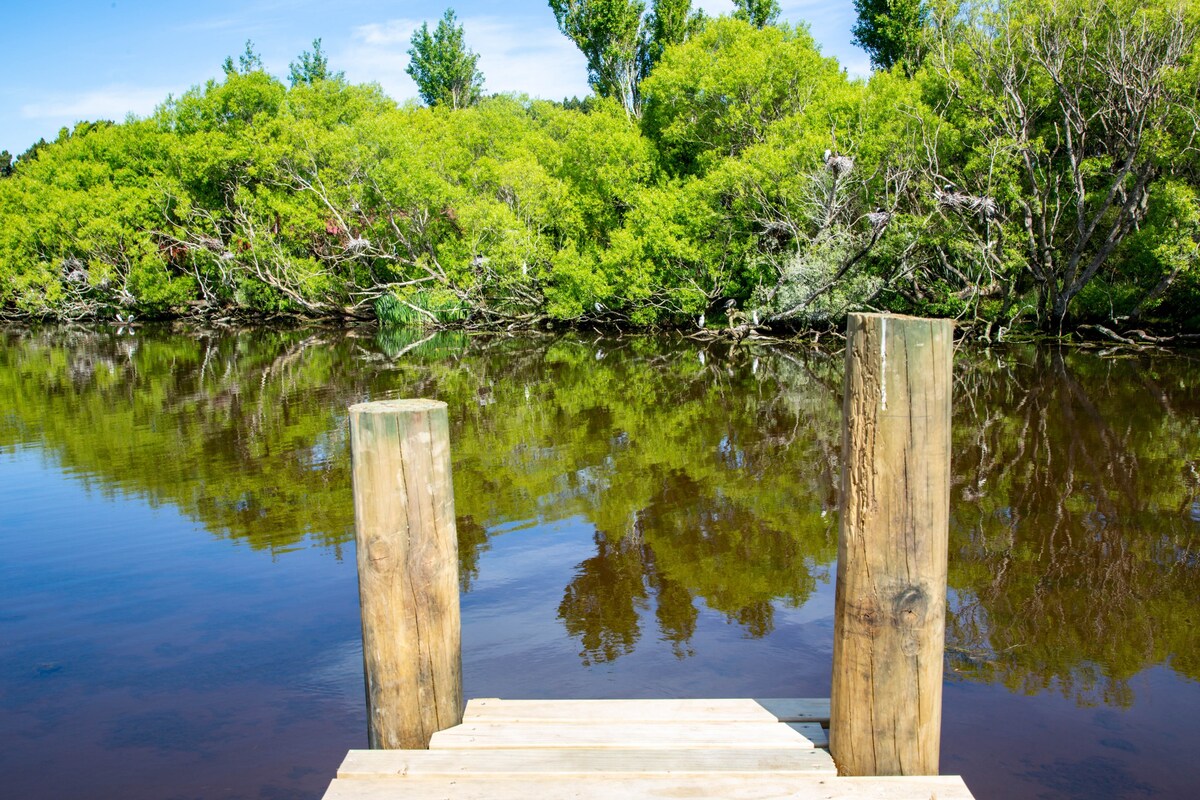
<point x="142" y="657"/>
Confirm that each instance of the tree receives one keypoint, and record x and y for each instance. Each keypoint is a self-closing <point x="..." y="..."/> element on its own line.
<point x="1077" y="110"/>
<point x="717" y="94"/>
<point x="445" y="71"/>
<point x="31" y="153"/>
<point x="608" y="32"/>
<point x="622" y="43"/>
<point x="669" y="22"/>
<point x="312" y="67"/>
<point x="6" y="160"/>
<point x="249" y="61"/>
<point x="759" y="13"/>
<point x="891" y="32"/>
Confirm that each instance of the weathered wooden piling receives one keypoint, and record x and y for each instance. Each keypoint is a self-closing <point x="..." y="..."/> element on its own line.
<point x="407" y="570"/>
<point x="889" y="626"/>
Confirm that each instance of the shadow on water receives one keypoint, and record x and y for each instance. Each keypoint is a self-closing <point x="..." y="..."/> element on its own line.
<point x="706" y="480"/>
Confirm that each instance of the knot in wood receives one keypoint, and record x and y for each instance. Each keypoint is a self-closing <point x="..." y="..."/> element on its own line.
<point x="866" y="610"/>
<point x="910" y="610"/>
<point x="382" y="554"/>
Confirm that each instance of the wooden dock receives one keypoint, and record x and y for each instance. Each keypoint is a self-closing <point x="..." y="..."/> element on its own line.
<point x="889" y="622"/>
<point x="740" y="749"/>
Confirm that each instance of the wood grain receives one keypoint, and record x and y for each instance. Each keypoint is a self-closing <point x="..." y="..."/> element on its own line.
<point x="606" y="787"/>
<point x="889" y="625"/>
<point x="570" y="761"/>
<point x="491" y="709"/>
<point x="681" y="735"/>
<point x="407" y="570"/>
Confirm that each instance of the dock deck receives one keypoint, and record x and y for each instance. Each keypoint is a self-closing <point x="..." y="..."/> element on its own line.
<point x="740" y="749"/>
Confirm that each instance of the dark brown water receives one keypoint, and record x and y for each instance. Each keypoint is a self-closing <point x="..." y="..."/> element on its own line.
<point x="638" y="517"/>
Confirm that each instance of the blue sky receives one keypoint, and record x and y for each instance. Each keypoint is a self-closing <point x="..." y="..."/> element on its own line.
<point x="67" y="61"/>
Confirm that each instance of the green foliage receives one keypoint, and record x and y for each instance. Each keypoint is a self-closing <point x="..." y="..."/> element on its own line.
<point x="609" y="34"/>
<point x="249" y="61"/>
<point x="30" y="154"/>
<point x="243" y="99"/>
<point x="312" y="67"/>
<point x="622" y="42"/>
<point x="444" y="70"/>
<point x="1079" y="125"/>
<point x="892" y="32"/>
<point x="670" y="22"/>
<point x="419" y="309"/>
<point x="759" y="13"/>
<point x="758" y="177"/>
<point x="719" y="93"/>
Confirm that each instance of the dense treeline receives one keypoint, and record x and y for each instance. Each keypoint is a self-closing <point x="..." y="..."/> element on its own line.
<point x="1023" y="162"/>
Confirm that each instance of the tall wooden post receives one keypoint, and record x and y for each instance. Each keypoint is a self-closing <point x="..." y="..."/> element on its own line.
<point x="407" y="570"/>
<point x="890" y="615"/>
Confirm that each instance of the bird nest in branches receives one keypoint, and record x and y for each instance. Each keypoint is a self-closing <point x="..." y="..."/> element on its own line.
<point x="961" y="201"/>
<point x="74" y="270"/>
<point x="839" y="165"/>
<point x="211" y="243"/>
<point x="879" y="218"/>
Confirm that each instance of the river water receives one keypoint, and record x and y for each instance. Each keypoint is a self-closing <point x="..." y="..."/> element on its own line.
<point x="638" y="517"/>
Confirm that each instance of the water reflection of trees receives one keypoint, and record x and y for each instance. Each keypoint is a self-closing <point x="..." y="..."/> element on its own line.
<point x="710" y="477"/>
<point x="706" y="478"/>
<point x="240" y="432"/>
<point x="1075" y="534"/>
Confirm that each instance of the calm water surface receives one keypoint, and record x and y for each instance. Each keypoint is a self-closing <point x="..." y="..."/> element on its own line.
<point x="638" y="517"/>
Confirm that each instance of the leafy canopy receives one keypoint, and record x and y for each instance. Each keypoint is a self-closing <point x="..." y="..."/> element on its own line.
<point x="622" y="43"/>
<point x="445" y="70"/>
<point x="312" y="67"/>
<point x="759" y="13"/>
<point x="891" y="31"/>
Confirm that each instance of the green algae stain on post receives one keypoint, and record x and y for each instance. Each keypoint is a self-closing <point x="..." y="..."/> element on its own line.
<point x="890" y="613"/>
<point x="407" y="570"/>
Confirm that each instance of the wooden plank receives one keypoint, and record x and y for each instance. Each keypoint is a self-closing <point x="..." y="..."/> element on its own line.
<point x="491" y="709"/>
<point x="890" y="603"/>
<point x="727" y="787"/>
<point x="416" y="763"/>
<point x="734" y="735"/>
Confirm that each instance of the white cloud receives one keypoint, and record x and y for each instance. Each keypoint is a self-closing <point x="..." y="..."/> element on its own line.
<point x="536" y="60"/>
<point x="110" y="102"/>
<point x="385" y="34"/>
<point x="378" y="53"/>
<point x="539" y="61"/>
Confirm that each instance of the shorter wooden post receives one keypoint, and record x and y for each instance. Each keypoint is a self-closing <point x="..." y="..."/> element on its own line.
<point x="890" y="606"/>
<point x="407" y="570"/>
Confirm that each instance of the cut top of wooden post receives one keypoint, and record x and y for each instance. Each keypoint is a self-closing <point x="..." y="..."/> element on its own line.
<point x="396" y="406"/>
